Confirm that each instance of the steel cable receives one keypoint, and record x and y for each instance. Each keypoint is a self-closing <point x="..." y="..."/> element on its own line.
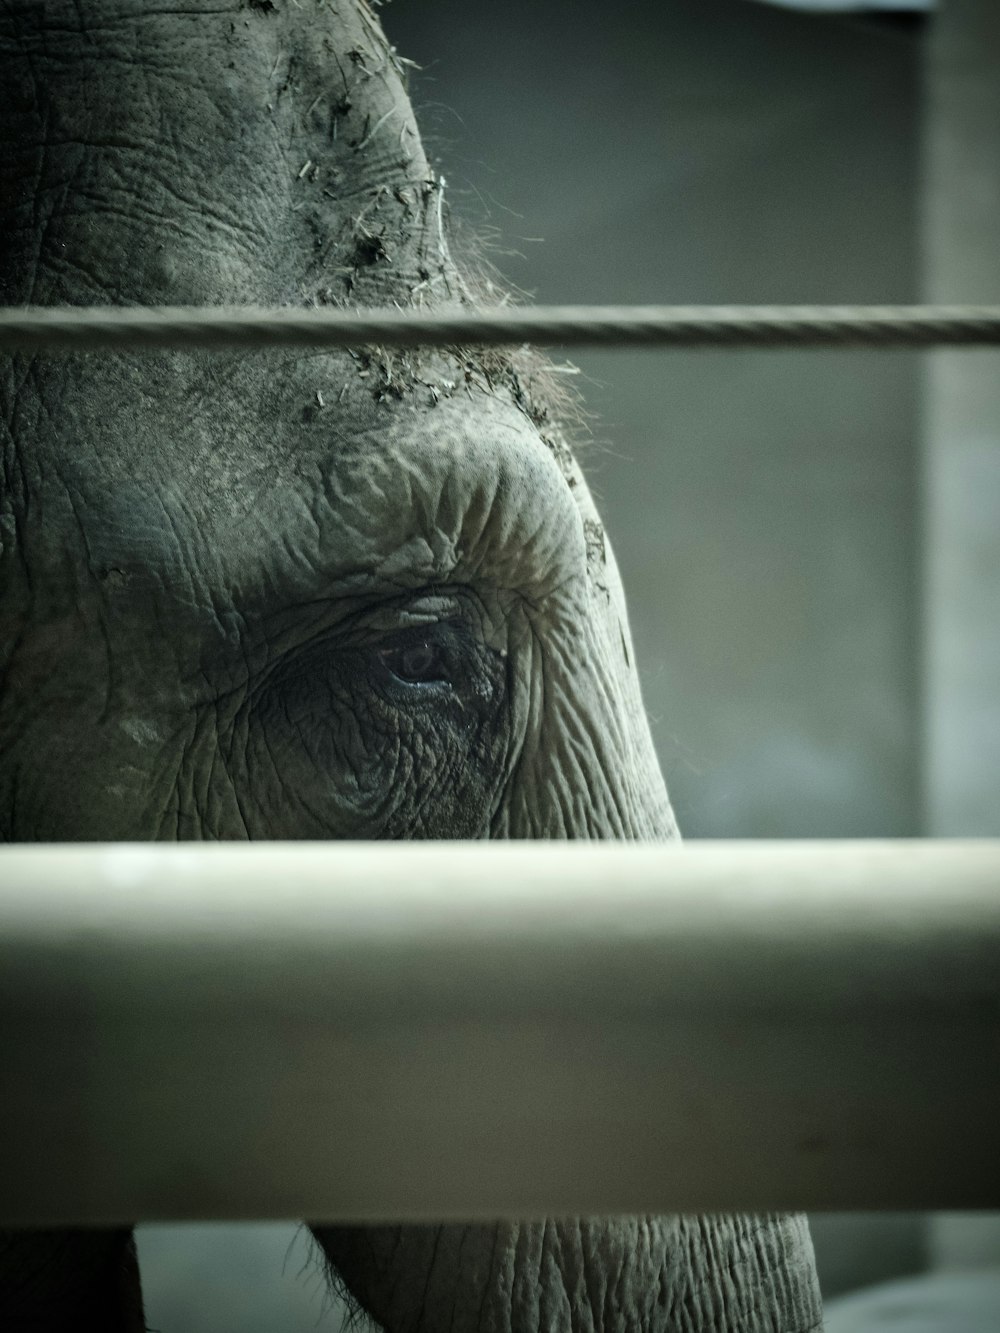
<point x="127" y="328"/>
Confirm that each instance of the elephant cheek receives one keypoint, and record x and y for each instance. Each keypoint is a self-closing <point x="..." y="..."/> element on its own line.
<point x="586" y="767"/>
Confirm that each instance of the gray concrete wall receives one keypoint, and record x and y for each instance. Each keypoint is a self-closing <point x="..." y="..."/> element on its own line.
<point x="761" y="505"/>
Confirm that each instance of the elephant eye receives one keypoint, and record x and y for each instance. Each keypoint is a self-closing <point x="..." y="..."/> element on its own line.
<point x="421" y="662"/>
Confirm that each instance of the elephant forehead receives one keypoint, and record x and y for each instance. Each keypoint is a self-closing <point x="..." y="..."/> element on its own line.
<point x="205" y="153"/>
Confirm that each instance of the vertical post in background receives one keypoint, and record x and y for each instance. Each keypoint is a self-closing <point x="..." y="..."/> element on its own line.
<point x="961" y="494"/>
<point x="962" y="428"/>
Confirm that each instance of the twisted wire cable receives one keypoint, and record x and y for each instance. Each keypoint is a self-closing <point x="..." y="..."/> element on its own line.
<point x="128" y="328"/>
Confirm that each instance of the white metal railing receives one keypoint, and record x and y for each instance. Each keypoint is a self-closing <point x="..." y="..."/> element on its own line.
<point x="363" y="1031"/>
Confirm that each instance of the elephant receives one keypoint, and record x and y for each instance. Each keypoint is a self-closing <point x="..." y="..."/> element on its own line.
<point x="291" y="595"/>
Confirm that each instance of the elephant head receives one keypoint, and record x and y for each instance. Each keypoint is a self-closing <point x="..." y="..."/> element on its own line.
<point x="357" y="595"/>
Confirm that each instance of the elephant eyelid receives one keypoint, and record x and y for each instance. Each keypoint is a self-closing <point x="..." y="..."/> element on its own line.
<point x="386" y="622"/>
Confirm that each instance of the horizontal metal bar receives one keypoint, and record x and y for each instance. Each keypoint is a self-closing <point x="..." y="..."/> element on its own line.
<point x="362" y="1031"/>
<point x="249" y="327"/>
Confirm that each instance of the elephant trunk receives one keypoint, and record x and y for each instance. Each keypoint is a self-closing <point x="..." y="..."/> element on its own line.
<point x="727" y="1274"/>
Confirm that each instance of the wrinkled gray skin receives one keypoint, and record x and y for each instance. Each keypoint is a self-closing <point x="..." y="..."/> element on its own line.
<point x="305" y="596"/>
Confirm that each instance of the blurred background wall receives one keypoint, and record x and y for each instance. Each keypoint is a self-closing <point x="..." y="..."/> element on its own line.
<point x="762" y="506"/>
<point x="768" y="510"/>
<point x="960" y="480"/>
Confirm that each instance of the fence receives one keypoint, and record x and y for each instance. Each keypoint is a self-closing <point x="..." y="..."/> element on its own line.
<point x="450" y="1030"/>
<point x="478" y="1030"/>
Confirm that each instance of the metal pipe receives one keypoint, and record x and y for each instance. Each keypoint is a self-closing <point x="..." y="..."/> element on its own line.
<point x="365" y="1031"/>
